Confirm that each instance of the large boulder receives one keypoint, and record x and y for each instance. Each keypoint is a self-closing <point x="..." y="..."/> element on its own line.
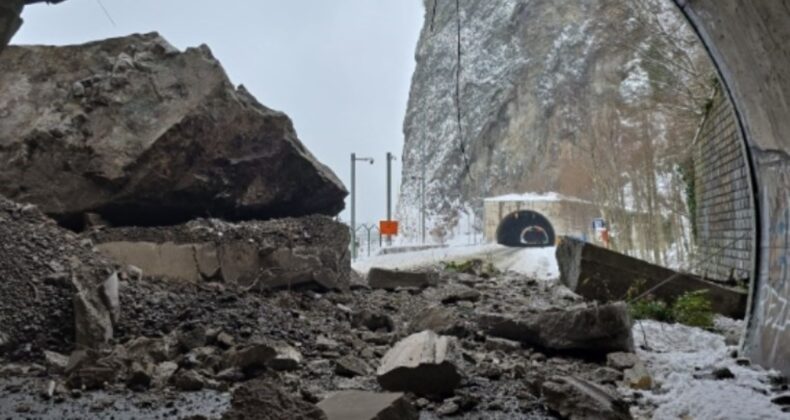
<point x="309" y="251"/>
<point x="595" y="329"/>
<point x="140" y="133"/>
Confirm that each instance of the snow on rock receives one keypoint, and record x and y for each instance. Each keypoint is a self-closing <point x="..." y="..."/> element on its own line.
<point x="674" y="353"/>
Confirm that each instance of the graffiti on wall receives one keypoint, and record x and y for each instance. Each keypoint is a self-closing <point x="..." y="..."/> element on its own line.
<point x="770" y="341"/>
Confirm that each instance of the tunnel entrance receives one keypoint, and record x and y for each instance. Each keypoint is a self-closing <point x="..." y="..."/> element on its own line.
<point x="525" y="228"/>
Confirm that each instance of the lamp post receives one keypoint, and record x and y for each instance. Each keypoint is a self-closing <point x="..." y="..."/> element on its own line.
<point x="390" y="158"/>
<point x="354" y="160"/>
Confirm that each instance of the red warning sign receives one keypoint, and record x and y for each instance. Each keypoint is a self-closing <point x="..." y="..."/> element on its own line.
<point x="388" y="227"/>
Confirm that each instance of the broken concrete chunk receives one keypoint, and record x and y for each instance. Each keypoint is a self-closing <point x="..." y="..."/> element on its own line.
<point x="309" y="252"/>
<point x="380" y="278"/>
<point x="601" y="274"/>
<point x="577" y="399"/>
<point x="596" y="329"/>
<point x="421" y="363"/>
<point x="364" y="405"/>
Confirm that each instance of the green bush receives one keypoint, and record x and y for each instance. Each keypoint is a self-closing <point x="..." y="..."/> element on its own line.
<point x="691" y="308"/>
<point x="695" y="309"/>
<point x="651" y="309"/>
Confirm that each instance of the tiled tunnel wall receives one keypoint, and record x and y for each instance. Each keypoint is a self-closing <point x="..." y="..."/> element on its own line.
<point x="724" y="212"/>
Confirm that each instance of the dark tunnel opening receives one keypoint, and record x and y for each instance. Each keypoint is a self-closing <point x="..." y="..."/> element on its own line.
<point x="525" y="228"/>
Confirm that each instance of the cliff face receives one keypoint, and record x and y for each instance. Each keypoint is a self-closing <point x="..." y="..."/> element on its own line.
<point x="507" y="97"/>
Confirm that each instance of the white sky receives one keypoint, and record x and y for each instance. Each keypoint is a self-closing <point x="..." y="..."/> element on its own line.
<point x="341" y="69"/>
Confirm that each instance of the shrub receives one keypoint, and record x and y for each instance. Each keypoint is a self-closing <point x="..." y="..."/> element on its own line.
<point x="694" y="308"/>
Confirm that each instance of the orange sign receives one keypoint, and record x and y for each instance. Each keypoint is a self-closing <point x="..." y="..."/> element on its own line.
<point x="388" y="227"/>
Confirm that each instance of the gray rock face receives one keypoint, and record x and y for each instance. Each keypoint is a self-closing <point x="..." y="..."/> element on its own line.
<point x="421" y="363"/>
<point x="532" y="79"/>
<point x="594" y="329"/>
<point x="364" y="405"/>
<point x="296" y="252"/>
<point x="140" y="133"/>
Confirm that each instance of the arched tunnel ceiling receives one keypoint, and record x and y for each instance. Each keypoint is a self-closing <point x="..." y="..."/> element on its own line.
<point x="749" y="41"/>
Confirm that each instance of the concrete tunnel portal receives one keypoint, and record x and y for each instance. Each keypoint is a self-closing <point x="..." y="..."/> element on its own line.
<point x="525" y="228"/>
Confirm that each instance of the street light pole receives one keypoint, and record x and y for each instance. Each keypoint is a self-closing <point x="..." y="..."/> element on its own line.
<point x="390" y="158"/>
<point x="354" y="160"/>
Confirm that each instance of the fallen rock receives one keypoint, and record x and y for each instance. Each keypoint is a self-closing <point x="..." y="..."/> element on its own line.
<point x="637" y="377"/>
<point x="595" y="329"/>
<point x="502" y="344"/>
<point x="364" y="405"/>
<point x="152" y="136"/>
<point x="351" y="366"/>
<point x="286" y="358"/>
<point x="421" y="363"/>
<point x="56" y="362"/>
<point x="577" y="399"/>
<point x="372" y="321"/>
<point x="256" y="355"/>
<point x="380" y="278"/>
<point x="188" y="380"/>
<point x="459" y="294"/>
<point x="438" y="319"/>
<point x="310" y="251"/>
<point x="260" y="400"/>
<point x="621" y="360"/>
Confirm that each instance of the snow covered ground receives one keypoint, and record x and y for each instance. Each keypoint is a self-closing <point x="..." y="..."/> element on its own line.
<point x="535" y="262"/>
<point x="680" y="359"/>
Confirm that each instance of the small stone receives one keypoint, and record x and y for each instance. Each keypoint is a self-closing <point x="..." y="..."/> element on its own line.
<point x="448" y="408"/>
<point x="722" y="373"/>
<point x="56" y="362"/>
<point x="225" y="340"/>
<point x="622" y="360"/>
<point x="188" y="380"/>
<point x="286" y="358"/>
<point x="637" y="377"/>
<point x="351" y="366"/>
<point x="537" y="357"/>
<point x="502" y="344"/>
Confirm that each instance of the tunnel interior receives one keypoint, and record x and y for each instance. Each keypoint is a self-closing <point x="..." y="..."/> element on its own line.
<point x="525" y="228"/>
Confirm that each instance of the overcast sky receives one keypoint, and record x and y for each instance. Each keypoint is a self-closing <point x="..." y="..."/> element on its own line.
<point x="340" y="69"/>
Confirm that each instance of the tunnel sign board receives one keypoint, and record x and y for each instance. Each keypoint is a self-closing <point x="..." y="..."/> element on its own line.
<point x="388" y="227"/>
<point x="598" y="224"/>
